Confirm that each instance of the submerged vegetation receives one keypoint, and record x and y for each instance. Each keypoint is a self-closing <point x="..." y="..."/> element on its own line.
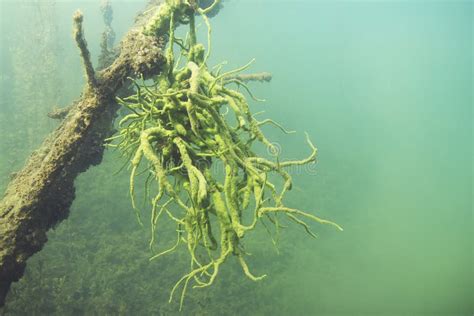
<point x="378" y="165"/>
<point x="206" y="173"/>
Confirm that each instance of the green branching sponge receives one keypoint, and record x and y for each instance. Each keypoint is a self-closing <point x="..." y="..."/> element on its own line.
<point x="209" y="180"/>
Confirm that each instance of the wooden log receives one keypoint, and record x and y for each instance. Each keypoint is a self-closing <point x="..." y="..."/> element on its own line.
<point x="40" y="195"/>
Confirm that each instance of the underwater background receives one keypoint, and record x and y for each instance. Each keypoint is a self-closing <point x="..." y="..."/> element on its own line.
<point x="384" y="89"/>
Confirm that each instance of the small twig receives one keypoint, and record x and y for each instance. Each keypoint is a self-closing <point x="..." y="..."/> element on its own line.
<point x="261" y="77"/>
<point x="59" y="113"/>
<point x="82" y="44"/>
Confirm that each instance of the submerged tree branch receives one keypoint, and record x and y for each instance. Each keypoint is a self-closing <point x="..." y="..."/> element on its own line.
<point x="40" y="195"/>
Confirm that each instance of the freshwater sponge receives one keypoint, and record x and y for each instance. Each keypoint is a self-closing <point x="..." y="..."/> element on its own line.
<point x="177" y="130"/>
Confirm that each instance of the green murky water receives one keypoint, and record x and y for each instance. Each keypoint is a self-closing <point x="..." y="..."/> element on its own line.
<point x="384" y="88"/>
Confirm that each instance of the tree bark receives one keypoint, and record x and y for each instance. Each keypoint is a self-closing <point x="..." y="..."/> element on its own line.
<point x="40" y="195"/>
